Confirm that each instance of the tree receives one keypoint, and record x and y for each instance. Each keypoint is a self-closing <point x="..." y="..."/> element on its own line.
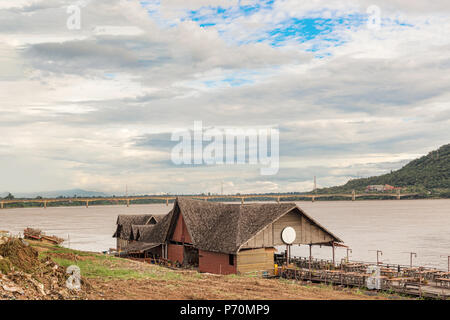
<point x="9" y="196"/>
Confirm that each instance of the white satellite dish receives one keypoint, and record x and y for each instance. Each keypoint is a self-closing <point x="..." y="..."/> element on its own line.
<point x="288" y="235"/>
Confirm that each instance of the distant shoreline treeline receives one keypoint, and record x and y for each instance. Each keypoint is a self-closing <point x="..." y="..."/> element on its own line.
<point x="100" y="202"/>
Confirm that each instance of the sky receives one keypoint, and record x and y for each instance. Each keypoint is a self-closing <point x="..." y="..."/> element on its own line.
<point x="355" y="88"/>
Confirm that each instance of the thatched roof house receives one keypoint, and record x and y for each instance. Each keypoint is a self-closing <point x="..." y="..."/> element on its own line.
<point x="226" y="228"/>
<point x="125" y="223"/>
<point x="229" y="238"/>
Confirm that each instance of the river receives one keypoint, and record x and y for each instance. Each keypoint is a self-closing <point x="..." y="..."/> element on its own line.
<point x="392" y="226"/>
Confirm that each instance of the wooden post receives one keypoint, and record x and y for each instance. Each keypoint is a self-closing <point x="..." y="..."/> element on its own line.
<point x="348" y="250"/>
<point x="87" y="204"/>
<point x="288" y="255"/>
<point x="334" y="261"/>
<point x="45" y="204"/>
<point x="278" y="199"/>
<point x="448" y="265"/>
<point x="167" y="202"/>
<point x="353" y="195"/>
<point x="379" y="251"/>
<point x="411" y="254"/>
<point x="128" y="202"/>
<point x="242" y="200"/>
<point x="310" y="258"/>
<point x="1" y="203"/>
<point x="398" y="194"/>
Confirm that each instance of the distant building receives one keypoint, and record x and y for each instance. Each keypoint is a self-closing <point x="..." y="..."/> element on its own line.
<point x="375" y="187"/>
<point x="380" y="188"/>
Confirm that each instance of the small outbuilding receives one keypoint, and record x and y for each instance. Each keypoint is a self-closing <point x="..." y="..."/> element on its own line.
<point x="125" y="223"/>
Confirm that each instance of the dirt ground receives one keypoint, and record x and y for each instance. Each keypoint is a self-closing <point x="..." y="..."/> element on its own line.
<point x="216" y="289"/>
<point x="189" y="285"/>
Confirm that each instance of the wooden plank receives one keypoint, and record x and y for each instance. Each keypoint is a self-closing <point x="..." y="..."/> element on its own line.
<point x="255" y="260"/>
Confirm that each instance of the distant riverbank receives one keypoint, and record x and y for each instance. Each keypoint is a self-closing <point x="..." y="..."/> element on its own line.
<point x="86" y="201"/>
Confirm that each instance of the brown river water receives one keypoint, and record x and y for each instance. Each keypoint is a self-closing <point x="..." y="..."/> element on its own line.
<point x="395" y="227"/>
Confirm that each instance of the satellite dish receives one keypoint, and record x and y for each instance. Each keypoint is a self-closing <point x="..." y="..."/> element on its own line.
<point x="288" y="235"/>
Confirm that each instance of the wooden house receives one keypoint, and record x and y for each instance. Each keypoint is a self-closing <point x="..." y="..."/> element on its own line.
<point x="230" y="238"/>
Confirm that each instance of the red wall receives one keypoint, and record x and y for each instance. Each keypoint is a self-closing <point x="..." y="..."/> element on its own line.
<point x="181" y="233"/>
<point x="213" y="262"/>
<point x="175" y="253"/>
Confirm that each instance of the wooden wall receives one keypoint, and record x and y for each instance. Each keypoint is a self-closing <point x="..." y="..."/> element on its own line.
<point x="307" y="232"/>
<point x="262" y="240"/>
<point x="255" y="260"/>
<point x="214" y="262"/>
<point x="121" y="244"/>
<point x="175" y="253"/>
<point x="181" y="233"/>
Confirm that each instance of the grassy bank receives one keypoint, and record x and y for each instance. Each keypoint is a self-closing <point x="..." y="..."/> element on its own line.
<point x="116" y="278"/>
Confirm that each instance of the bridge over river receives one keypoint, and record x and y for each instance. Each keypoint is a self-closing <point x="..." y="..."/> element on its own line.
<point x="255" y="197"/>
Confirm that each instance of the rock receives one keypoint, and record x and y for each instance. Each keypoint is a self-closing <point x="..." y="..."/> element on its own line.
<point x="12" y="289"/>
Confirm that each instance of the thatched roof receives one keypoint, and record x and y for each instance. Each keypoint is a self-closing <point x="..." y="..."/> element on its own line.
<point x="218" y="227"/>
<point x="157" y="218"/>
<point x="140" y="231"/>
<point x="158" y="233"/>
<point x="125" y="222"/>
<point x="224" y="228"/>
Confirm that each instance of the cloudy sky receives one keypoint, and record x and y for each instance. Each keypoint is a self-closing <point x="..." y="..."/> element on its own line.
<point x="94" y="107"/>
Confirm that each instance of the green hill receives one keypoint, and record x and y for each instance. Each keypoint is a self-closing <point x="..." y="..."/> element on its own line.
<point x="428" y="175"/>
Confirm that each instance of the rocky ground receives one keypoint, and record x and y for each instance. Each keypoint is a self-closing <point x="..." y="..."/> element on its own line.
<point x="23" y="275"/>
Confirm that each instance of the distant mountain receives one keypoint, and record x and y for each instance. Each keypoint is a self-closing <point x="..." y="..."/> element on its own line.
<point x="62" y="193"/>
<point x="4" y="194"/>
<point x="430" y="172"/>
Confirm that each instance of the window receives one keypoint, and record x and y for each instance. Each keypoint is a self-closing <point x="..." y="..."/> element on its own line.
<point x="231" y="259"/>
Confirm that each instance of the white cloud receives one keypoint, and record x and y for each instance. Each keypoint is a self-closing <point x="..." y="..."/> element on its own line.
<point x="74" y="102"/>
